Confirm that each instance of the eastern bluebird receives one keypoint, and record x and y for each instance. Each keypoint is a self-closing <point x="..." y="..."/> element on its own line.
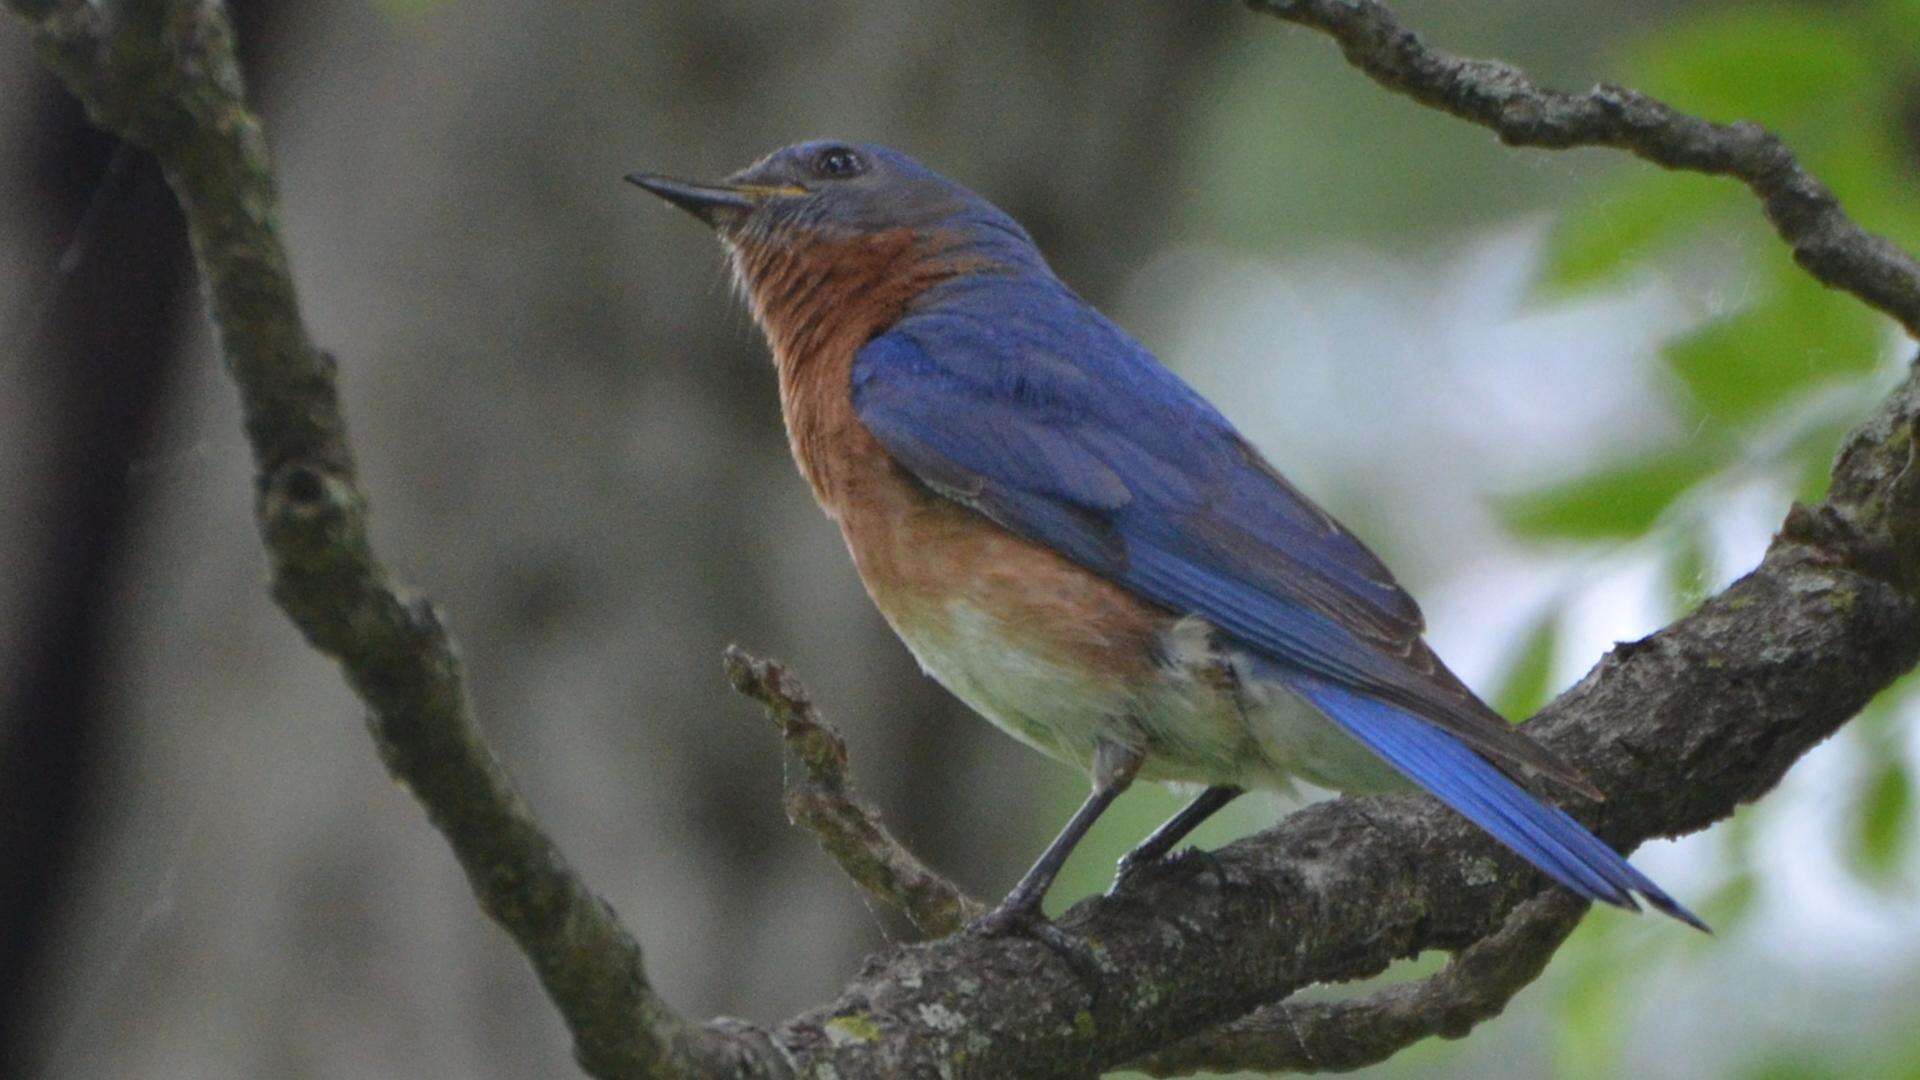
<point x="1080" y="547"/>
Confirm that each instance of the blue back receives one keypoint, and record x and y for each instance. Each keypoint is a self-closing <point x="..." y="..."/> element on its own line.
<point x="1010" y="394"/>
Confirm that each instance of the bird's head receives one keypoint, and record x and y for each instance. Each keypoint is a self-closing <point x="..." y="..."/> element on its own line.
<point x="827" y="233"/>
<point x="847" y="189"/>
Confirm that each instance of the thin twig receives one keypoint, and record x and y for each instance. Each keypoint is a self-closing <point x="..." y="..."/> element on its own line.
<point x="819" y="797"/>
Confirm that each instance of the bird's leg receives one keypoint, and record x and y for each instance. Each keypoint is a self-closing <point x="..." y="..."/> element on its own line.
<point x="1114" y="767"/>
<point x="1155" y="847"/>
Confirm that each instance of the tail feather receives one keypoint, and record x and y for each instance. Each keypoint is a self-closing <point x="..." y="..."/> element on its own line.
<point x="1542" y="834"/>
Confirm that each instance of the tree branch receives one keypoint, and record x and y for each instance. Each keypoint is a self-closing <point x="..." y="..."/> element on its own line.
<point x="1679" y="728"/>
<point x="819" y="797"/>
<point x="1340" y="1036"/>
<point x="163" y="75"/>
<point x="1495" y="95"/>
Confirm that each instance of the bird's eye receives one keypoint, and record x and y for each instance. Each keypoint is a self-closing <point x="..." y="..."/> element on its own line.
<point x="838" y="163"/>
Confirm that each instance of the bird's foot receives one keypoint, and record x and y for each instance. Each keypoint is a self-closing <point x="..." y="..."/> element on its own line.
<point x="1026" y="920"/>
<point x="1139" y="860"/>
<point x="1010" y="919"/>
<point x="1131" y="864"/>
<point x="1209" y="862"/>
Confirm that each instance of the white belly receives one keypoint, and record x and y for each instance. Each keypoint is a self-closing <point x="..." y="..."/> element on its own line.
<point x="1055" y="708"/>
<point x="1200" y="719"/>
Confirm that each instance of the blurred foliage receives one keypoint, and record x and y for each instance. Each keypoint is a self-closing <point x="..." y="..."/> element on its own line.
<point x="1880" y="841"/>
<point x="1387" y="189"/>
<point x="1619" y="500"/>
<point x="1738" y="368"/>
<point x="1880" y="834"/>
<point x="1528" y="681"/>
<point x="1754" y="389"/>
<point x="1592" y="1025"/>
<point x="1811" y="76"/>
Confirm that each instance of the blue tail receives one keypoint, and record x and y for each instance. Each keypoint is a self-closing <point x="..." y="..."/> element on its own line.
<point x="1543" y="835"/>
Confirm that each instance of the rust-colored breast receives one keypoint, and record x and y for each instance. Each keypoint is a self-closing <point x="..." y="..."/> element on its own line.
<point x="918" y="553"/>
<point x="819" y="299"/>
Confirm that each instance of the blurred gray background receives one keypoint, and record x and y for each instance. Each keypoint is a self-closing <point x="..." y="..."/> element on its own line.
<point x="570" y="432"/>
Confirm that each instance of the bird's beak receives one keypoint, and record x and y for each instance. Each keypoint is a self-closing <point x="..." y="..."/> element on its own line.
<point x="716" y="204"/>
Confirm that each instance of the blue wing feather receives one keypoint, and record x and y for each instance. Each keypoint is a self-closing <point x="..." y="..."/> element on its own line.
<point x="1010" y="405"/>
<point x="1543" y="834"/>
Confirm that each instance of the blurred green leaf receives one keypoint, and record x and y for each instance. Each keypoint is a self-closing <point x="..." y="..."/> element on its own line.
<point x="1800" y="336"/>
<point x="1772" y="65"/>
<point x="1900" y="17"/>
<point x="1871" y="166"/>
<point x="1620" y="500"/>
<point x="1688" y="573"/>
<point x="1597" y="242"/>
<point x="1525" y="684"/>
<point x="1812" y="456"/>
<point x="1591" y="1025"/>
<point x="1820" y="73"/>
<point x="1883" y="823"/>
<point x="1728" y="905"/>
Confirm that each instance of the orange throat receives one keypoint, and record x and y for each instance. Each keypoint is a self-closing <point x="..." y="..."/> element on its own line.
<point x="819" y="298"/>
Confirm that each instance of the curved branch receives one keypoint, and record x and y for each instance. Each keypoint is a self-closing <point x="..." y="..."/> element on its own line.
<point x="819" y="797"/>
<point x="163" y="75"/>
<point x="1340" y="1036"/>
<point x="1825" y="242"/>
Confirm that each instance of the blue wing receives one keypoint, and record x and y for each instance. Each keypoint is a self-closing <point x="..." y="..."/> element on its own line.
<point x="1067" y="432"/>
<point x="1544" y="835"/>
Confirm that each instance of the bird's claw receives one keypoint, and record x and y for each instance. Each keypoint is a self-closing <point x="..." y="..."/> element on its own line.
<point x="1214" y="867"/>
<point x="1027" y="921"/>
<point x="1008" y="920"/>
<point x="1131" y="864"/>
<point x="1134" y="862"/>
